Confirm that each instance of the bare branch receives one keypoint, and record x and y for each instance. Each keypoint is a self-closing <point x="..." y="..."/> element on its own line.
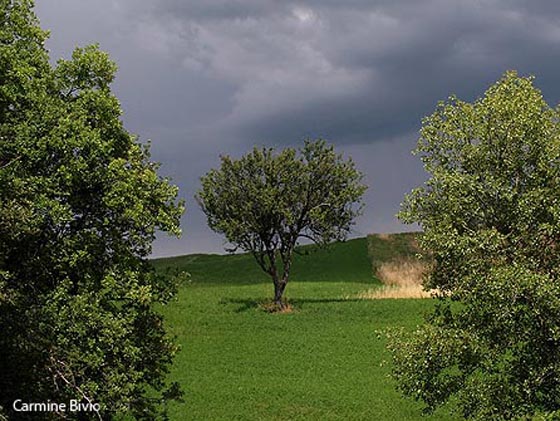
<point x="72" y="383"/>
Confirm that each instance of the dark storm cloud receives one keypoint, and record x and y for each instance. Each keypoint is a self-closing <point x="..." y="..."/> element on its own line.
<point x="356" y="71"/>
<point x="217" y="9"/>
<point x="203" y="78"/>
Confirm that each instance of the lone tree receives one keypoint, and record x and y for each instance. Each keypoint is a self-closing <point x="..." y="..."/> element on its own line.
<point x="265" y="202"/>
<point x="80" y="201"/>
<point x="491" y="219"/>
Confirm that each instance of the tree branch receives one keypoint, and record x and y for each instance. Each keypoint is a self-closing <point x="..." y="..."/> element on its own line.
<point x="6" y="165"/>
<point x="72" y="384"/>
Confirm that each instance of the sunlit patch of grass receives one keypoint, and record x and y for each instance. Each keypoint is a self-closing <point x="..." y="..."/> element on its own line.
<point x="395" y="292"/>
<point x="401" y="278"/>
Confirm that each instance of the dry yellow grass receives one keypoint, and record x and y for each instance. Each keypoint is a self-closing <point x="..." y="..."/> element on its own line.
<point x="401" y="278"/>
<point x="394" y="292"/>
<point x="402" y="272"/>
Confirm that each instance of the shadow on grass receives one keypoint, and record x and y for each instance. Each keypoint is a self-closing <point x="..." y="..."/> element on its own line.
<point x="246" y="304"/>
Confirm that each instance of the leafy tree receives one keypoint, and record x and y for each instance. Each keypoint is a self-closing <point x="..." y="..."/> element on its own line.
<point x="491" y="219"/>
<point x="80" y="202"/>
<point x="265" y="202"/>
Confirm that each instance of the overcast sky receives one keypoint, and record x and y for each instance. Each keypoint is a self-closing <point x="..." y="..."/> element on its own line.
<point x="210" y="77"/>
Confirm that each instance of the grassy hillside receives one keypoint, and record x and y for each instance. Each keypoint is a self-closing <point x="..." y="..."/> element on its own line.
<point x="323" y="361"/>
<point x="348" y="261"/>
<point x="383" y="248"/>
<point x="352" y="260"/>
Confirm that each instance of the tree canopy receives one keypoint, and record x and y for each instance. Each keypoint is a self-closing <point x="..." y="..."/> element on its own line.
<point x="491" y="220"/>
<point x="80" y="202"/>
<point x="266" y="201"/>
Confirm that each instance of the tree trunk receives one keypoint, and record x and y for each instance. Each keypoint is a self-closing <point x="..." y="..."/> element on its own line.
<point x="280" y="284"/>
<point x="279" y="287"/>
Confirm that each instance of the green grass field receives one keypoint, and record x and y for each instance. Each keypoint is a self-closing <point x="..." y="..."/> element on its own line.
<point x="323" y="361"/>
